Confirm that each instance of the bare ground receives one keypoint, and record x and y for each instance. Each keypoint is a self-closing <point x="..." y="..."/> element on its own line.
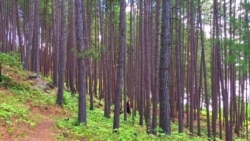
<point x="43" y="131"/>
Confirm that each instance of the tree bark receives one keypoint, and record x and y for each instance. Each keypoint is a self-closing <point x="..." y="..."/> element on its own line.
<point x="121" y="64"/>
<point x="82" y="114"/>
<point x="165" y="121"/>
<point x="62" y="55"/>
<point x="36" y="42"/>
<point x="30" y="36"/>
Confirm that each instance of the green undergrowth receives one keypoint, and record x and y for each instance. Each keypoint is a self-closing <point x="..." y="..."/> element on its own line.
<point x="11" y="111"/>
<point x="100" y="128"/>
<point x="19" y="94"/>
<point x="24" y="92"/>
<point x="14" y="112"/>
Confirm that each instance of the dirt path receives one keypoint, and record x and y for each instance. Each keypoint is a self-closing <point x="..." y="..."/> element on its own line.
<point x="42" y="132"/>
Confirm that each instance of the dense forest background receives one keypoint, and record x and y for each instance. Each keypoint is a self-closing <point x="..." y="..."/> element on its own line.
<point x="173" y="61"/>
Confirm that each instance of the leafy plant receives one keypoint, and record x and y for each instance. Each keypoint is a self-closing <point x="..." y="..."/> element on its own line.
<point x="5" y="80"/>
<point x="8" y="59"/>
<point x="8" y="110"/>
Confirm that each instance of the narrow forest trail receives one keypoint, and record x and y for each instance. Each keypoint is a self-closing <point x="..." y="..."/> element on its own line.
<point x="43" y="131"/>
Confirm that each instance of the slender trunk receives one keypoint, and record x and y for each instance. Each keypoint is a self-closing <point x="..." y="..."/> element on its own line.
<point x="121" y="63"/>
<point x="62" y="55"/>
<point x="29" y="44"/>
<point x="155" y="96"/>
<point x="36" y="42"/>
<point x="165" y="121"/>
<point x="82" y="114"/>
<point x="56" y="33"/>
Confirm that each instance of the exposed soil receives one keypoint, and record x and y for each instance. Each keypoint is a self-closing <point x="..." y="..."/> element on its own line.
<point x="45" y="130"/>
<point x="42" y="132"/>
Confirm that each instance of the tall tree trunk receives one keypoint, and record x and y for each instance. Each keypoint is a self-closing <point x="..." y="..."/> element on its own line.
<point x="62" y="55"/>
<point x="155" y="96"/>
<point x="141" y="64"/>
<point x="36" y="42"/>
<point x="179" y="82"/>
<point x="71" y="44"/>
<point x="147" y="67"/>
<point x="56" y="34"/>
<point x="20" y="36"/>
<point x="30" y="36"/>
<point x="204" y="70"/>
<point x="82" y="114"/>
<point x="165" y="121"/>
<point x="121" y="64"/>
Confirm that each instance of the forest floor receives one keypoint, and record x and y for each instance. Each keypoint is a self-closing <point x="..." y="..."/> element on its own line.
<point x="43" y="130"/>
<point x="46" y="129"/>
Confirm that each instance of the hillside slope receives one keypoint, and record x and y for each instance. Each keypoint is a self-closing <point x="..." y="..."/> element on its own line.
<point x="27" y="109"/>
